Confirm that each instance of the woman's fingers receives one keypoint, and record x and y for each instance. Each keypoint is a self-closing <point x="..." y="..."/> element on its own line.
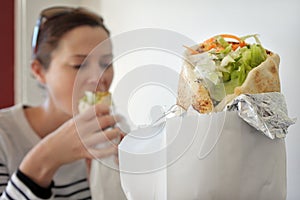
<point x="96" y="124"/>
<point x="92" y="127"/>
<point x="95" y="110"/>
<point x="103" y="136"/>
<point x="103" y="152"/>
<point x="107" y="121"/>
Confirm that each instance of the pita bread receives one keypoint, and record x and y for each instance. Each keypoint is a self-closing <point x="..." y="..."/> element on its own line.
<point x="192" y="92"/>
<point x="92" y="98"/>
<point x="263" y="78"/>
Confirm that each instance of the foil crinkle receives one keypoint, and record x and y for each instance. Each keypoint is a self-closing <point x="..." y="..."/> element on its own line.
<point x="267" y="112"/>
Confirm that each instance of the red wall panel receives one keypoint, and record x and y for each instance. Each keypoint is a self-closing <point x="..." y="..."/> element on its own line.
<point x="6" y="53"/>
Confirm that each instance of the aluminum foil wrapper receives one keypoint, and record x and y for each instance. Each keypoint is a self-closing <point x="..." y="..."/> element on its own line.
<point x="267" y="112"/>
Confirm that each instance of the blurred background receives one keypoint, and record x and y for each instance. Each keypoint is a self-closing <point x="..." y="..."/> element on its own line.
<point x="276" y="21"/>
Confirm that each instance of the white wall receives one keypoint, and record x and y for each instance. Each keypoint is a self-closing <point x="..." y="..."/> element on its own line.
<point x="277" y="22"/>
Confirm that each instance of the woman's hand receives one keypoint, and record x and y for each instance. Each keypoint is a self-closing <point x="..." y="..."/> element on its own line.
<point x="76" y="139"/>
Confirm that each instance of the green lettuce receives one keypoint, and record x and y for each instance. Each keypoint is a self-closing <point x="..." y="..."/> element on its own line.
<point x="235" y="65"/>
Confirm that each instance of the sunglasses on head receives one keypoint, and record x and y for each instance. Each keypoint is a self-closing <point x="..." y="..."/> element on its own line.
<point x="54" y="12"/>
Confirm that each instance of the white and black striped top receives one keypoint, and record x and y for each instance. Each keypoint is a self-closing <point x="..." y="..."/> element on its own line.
<point x="16" y="139"/>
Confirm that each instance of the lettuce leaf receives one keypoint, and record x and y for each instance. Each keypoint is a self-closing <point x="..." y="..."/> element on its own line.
<point x="239" y="63"/>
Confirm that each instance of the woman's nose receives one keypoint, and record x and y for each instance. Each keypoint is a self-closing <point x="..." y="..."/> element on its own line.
<point x="102" y="85"/>
<point x="98" y="82"/>
<point x="95" y="79"/>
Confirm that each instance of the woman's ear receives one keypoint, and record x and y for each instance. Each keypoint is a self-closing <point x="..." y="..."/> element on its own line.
<point x="38" y="71"/>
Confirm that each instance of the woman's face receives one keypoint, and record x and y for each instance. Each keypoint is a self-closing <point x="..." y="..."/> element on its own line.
<point x="74" y="69"/>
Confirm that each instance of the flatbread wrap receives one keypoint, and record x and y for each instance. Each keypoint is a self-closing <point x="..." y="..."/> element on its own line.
<point x="223" y="67"/>
<point x="92" y="98"/>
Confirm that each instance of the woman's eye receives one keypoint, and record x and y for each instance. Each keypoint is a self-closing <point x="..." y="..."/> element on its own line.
<point x="105" y="65"/>
<point x="79" y="66"/>
<point x="76" y="66"/>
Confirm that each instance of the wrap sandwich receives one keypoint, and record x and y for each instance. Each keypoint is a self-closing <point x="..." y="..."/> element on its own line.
<point x="92" y="98"/>
<point x="223" y="67"/>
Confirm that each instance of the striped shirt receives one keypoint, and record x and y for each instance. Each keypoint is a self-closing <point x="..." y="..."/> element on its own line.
<point x="16" y="139"/>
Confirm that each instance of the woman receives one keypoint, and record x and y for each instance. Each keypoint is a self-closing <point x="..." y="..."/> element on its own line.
<point x="43" y="148"/>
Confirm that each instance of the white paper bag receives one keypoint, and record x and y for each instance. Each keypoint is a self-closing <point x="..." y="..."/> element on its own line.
<point x="105" y="182"/>
<point x="216" y="156"/>
<point x="142" y="164"/>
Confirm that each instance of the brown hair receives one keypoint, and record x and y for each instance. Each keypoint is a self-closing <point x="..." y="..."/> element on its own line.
<point x="52" y="30"/>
